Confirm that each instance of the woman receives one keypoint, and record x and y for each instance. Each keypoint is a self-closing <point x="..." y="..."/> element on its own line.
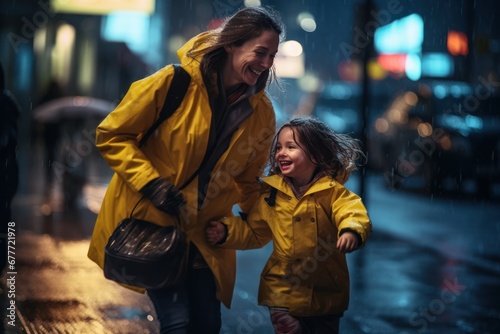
<point x="226" y="113"/>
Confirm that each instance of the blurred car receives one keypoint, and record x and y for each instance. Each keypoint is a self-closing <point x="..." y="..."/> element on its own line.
<point x="441" y="132"/>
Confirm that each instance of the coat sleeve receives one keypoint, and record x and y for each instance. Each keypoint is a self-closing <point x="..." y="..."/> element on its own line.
<point x="254" y="232"/>
<point x="117" y="135"/>
<point x="349" y="214"/>
<point x="246" y="182"/>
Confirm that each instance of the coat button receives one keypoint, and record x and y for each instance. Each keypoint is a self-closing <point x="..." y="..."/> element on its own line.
<point x="313" y="220"/>
<point x="297" y="219"/>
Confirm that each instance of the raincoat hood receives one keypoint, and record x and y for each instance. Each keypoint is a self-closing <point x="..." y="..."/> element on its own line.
<point x="190" y="64"/>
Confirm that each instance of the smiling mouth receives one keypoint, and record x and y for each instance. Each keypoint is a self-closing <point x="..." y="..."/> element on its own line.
<point x="255" y="72"/>
<point x="285" y="164"/>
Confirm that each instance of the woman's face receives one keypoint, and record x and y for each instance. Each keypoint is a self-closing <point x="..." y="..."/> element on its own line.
<point x="245" y="63"/>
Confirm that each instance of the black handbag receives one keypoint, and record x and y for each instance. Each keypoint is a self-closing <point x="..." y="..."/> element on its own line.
<point x="145" y="255"/>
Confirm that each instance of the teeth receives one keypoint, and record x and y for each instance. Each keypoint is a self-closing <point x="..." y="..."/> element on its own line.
<point x="255" y="72"/>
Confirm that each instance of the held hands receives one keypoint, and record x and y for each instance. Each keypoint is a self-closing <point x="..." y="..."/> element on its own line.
<point x="164" y="196"/>
<point x="347" y="242"/>
<point x="215" y="232"/>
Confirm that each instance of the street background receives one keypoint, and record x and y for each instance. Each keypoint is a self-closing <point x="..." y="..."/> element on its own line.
<point x="432" y="265"/>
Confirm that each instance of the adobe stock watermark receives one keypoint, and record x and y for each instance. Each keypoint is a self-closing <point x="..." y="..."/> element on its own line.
<point x="30" y="25"/>
<point x="223" y="8"/>
<point x="424" y="315"/>
<point x="487" y="86"/>
<point x="424" y="147"/>
<point x="362" y="38"/>
<point x="407" y="165"/>
<point x="255" y="318"/>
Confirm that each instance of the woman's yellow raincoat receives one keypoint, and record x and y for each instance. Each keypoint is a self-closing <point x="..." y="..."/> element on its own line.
<point x="175" y="152"/>
<point x="305" y="273"/>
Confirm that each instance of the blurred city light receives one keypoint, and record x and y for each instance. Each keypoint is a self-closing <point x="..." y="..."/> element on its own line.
<point x="413" y="67"/>
<point x="309" y="83"/>
<point x="375" y="70"/>
<point x="437" y="65"/>
<point x="395" y="63"/>
<point x="252" y="3"/>
<point x="24" y="69"/>
<point x="410" y="98"/>
<point x="289" y="61"/>
<point x="39" y="41"/>
<point x="129" y="27"/>
<point x="62" y="54"/>
<point x="381" y="125"/>
<point x="350" y="70"/>
<point x="340" y="91"/>
<point x="306" y="21"/>
<point x="405" y="35"/>
<point x="86" y="72"/>
<point x="440" y="91"/>
<point x="291" y="48"/>
<point x="399" y="45"/>
<point x="455" y="89"/>
<point x="175" y="42"/>
<point x="102" y="7"/>
<point x="457" y="43"/>
<point x="424" y="129"/>
<point x="308" y="25"/>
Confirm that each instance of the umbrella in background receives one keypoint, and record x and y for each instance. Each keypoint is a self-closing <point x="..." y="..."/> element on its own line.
<point x="72" y="106"/>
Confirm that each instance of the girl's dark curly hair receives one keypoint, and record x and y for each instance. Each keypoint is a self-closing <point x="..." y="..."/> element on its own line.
<point x="333" y="153"/>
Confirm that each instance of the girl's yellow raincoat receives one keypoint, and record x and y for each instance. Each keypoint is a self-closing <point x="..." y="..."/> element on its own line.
<point x="305" y="273"/>
<point x="175" y="152"/>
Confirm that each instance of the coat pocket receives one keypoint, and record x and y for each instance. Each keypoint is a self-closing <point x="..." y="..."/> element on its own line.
<point x="337" y="280"/>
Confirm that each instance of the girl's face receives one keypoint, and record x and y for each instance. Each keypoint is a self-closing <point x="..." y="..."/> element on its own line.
<point x="292" y="160"/>
<point x="245" y="63"/>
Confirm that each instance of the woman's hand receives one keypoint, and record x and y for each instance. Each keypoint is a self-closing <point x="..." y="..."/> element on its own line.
<point x="347" y="242"/>
<point x="164" y="196"/>
<point x="215" y="232"/>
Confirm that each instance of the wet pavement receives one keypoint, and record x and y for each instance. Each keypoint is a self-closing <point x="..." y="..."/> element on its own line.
<point x="432" y="265"/>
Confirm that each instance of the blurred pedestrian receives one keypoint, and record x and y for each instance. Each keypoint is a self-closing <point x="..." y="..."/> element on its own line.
<point x="51" y="130"/>
<point x="226" y="117"/>
<point x="9" y="169"/>
<point x="312" y="219"/>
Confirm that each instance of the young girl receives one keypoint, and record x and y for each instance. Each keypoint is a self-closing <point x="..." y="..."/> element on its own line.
<point x="312" y="219"/>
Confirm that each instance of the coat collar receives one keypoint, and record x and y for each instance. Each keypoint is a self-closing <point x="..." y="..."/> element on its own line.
<point x="276" y="181"/>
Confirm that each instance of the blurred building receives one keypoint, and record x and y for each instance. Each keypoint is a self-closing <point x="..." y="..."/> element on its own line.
<point x="98" y="50"/>
<point x="87" y="47"/>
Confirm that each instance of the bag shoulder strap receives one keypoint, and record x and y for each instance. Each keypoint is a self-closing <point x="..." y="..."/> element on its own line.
<point x="175" y="95"/>
<point x="271" y="200"/>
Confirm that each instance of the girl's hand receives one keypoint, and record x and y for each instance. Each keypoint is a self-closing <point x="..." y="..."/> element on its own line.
<point x="347" y="242"/>
<point x="215" y="232"/>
